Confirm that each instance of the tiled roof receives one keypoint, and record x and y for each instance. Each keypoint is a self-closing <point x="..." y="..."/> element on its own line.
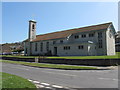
<point x="65" y="33"/>
<point x="9" y="47"/>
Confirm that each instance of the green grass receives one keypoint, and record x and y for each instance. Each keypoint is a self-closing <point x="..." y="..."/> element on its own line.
<point x="13" y="81"/>
<point x="90" y="57"/>
<point x="49" y="65"/>
<point x="72" y="57"/>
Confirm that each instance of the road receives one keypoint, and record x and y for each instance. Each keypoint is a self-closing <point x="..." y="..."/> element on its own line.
<point x="66" y="78"/>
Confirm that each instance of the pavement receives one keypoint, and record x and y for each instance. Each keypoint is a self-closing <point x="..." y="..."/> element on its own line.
<point x="55" y="79"/>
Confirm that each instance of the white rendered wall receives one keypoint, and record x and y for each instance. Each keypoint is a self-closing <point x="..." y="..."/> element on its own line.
<point x="110" y="42"/>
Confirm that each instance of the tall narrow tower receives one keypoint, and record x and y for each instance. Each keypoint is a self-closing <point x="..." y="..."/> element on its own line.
<point x="32" y="30"/>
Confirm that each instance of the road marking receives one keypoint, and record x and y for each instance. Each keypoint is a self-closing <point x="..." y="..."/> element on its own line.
<point x="48" y="87"/>
<point x="36" y="82"/>
<point x="30" y="80"/>
<point x="56" y="86"/>
<point x="40" y="86"/>
<point x="45" y="84"/>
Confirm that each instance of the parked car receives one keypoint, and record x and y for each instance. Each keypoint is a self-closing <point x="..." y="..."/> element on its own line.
<point x="6" y="53"/>
<point x="14" y="52"/>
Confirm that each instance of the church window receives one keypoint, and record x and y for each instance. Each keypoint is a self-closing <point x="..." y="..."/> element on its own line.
<point x="33" y="26"/>
<point x="99" y="34"/>
<point x="66" y="47"/>
<point x="76" y="36"/>
<point x="47" y="46"/>
<point x="35" y="46"/>
<point x="26" y="51"/>
<point x="83" y="35"/>
<point x="91" y="35"/>
<point x="100" y="43"/>
<point x="54" y="42"/>
<point x="61" y="41"/>
<point x="41" y="48"/>
<point x="80" y="47"/>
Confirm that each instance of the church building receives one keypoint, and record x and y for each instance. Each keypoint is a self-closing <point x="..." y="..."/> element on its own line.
<point x="85" y="41"/>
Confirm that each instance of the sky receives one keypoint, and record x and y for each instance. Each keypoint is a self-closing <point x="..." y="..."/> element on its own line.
<point x="53" y="16"/>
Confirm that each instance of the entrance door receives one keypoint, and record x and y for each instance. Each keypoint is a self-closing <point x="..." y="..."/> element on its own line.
<point x="55" y="50"/>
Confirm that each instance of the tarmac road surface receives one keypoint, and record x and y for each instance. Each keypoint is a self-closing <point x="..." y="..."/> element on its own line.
<point x="66" y="78"/>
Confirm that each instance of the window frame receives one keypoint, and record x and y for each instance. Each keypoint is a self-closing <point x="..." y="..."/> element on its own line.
<point x="54" y="42"/>
<point x="81" y="47"/>
<point x="83" y="35"/>
<point x="47" y="46"/>
<point x="33" y="26"/>
<point x="91" y="34"/>
<point x="100" y="44"/>
<point x="66" y="48"/>
<point x="36" y="48"/>
<point x="61" y="41"/>
<point x="100" y="35"/>
<point x="41" y="46"/>
<point x="76" y="36"/>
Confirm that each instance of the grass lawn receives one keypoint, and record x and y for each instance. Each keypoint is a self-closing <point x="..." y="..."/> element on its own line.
<point x="49" y="65"/>
<point x="72" y="57"/>
<point x="13" y="81"/>
<point x="90" y="57"/>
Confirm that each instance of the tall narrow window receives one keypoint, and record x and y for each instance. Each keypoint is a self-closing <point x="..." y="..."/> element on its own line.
<point x="100" y="44"/>
<point x="33" y="26"/>
<point x="35" y="46"/>
<point x="99" y="34"/>
<point x="47" y="46"/>
<point x="41" y="48"/>
<point x="26" y="51"/>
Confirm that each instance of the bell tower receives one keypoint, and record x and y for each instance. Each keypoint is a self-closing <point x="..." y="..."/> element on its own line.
<point x="32" y="30"/>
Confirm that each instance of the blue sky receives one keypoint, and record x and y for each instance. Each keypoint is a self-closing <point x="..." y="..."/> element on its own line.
<point x="53" y="16"/>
